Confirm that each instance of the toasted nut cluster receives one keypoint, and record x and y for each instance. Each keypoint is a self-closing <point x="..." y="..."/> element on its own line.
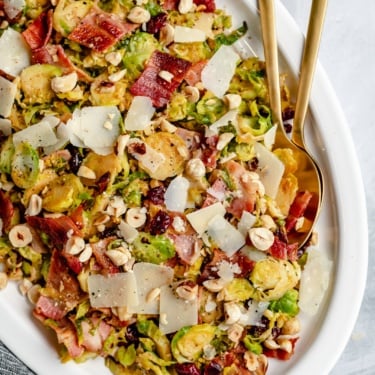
<point x="116" y="206"/>
<point x="85" y="254"/>
<point x="136" y="217"/>
<point x="232" y="312"/>
<point x="20" y="235"/>
<point x="35" y="205"/>
<point x="185" y="6"/>
<point x="166" y="35"/>
<point x="235" y="332"/>
<point x="139" y="15"/>
<point x="86" y="172"/>
<point x="114" y="58"/>
<point x="256" y="362"/>
<point x="153" y="295"/>
<point x="75" y="245"/>
<point x="261" y="238"/>
<point x="195" y="168"/>
<point x="64" y="83"/>
<point x="187" y="292"/>
<point x="214" y="285"/>
<point x="119" y="256"/>
<point x="192" y="94"/>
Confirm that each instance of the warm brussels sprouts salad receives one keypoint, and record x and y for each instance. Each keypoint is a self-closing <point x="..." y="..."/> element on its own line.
<point x="143" y="211"/>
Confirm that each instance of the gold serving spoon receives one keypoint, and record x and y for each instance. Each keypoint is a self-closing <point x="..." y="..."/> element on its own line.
<point x="308" y="174"/>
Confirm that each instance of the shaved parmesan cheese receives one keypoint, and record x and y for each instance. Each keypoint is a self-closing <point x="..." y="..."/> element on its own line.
<point x="140" y="113"/>
<point x="229" y="118"/>
<point x="270" y="169"/>
<point x="199" y="219"/>
<point x="176" y="194"/>
<point x="253" y="315"/>
<point x="246" y="222"/>
<point x="5" y="126"/>
<point x="269" y="137"/>
<point x="37" y="135"/>
<point x="314" y="281"/>
<point x="8" y="92"/>
<point x="177" y="312"/>
<point x="225" y="235"/>
<point x="151" y="160"/>
<point x="96" y="128"/>
<point x="184" y="34"/>
<point x="13" y="60"/>
<point x="219" y="71"/>
<point x="113" y="291"/>
<point x="148" y="277"/>
<point x="253" y="254"/>
<point x="227" y="270"/>
<point x="128" y="233"/>
<point x="14" y="7"/>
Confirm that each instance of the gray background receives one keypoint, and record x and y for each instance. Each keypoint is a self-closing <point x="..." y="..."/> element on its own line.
<point x="348" y="56"/>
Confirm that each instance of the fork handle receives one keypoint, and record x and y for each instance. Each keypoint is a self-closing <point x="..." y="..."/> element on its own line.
<point x="267" y="19"/>
<point x="308" y="64"/>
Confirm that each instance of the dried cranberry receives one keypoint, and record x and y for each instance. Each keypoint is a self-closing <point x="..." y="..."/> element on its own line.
<point x="156" y="194"/>
<point x="137" y="148"/>
<point x="160" y="223"/>
<point x="213" y="368"/>
<point x="103" y="182"/>
<point x="254" y="164"/>
<point x="187" y="369"/>
<point x="288" y="127"/>
<point x="156" y="23"/>
<point x="76" y="159"/>
<point x="288" y="114"/>
<point x="131" y="334"/>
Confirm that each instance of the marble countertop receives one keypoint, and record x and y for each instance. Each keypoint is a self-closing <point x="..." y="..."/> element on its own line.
<point x="348" y="55"/>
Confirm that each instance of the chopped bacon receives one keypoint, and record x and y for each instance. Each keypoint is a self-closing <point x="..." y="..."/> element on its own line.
<point x="246" y="190"/>
<point x="100" y="30"/>
<point x="191" y="138"/>
<point x="216" y="192"/>
<point x="50" y="308"/>
<point x="209" y="152"/>
<point x="170" y="4"/>
<point x="58" y="229"/>
<point x="62" y="280"/>
<point x="77" y="216"/>
<point x="151" y="84"/>
<point x="187" y="247"/>
<point x="98" y="249"/>
<point x="193" y="75"/>
<point x="39" y="31"/>
<point x="94" y="332"/>
<point x="297" y="209"/>
<point x="283" y="250"/>
<point x="65" y="332"/>
<point x="209" y="5"/>
<point x="6" y="211"/>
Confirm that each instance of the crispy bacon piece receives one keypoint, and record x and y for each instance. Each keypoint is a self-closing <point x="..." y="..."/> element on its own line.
<point x="98" y="249"/>
<point x="283" y="250"/>
<point x="56" y="228"/>
<point x="209" y="5"/>
<point x="39" y="31"/>
<point x="151" y="84"/>
<point x="247" y="190"/>
<point x="100" y="30"/>
<point x="170" y="4"/>
<point x="50" y="308"/>
<point x="193" y="75"/>
<point x="94" y="332"/>
<point x="6" y="210"/>
<point x="187" y="247"/>
<point x="297" y="209"/>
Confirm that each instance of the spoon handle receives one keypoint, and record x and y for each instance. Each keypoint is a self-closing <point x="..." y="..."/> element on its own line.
<point x="268" y="24"/>
<point x="309" y="58"/>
